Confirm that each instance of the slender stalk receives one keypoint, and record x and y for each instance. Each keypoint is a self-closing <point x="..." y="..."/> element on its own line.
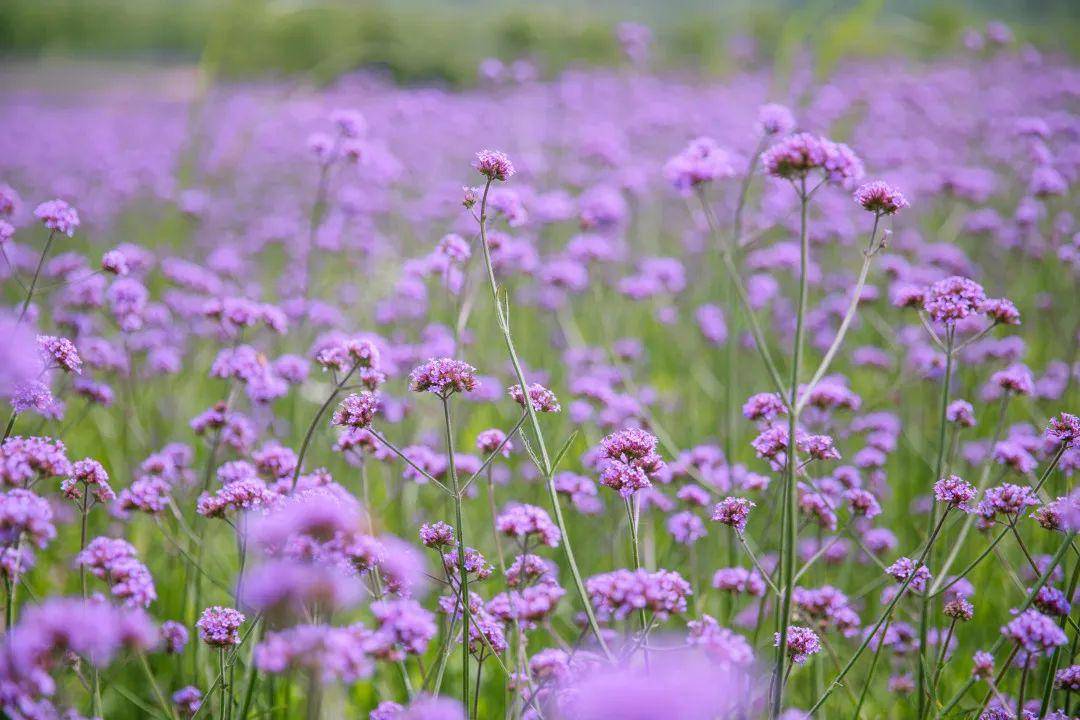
<point x="924" y="608"/>
<point x="223" y="698"/>
<point x="37" y="272"/>
<point x="549" y="475"/>
<point x="166" y="708"/>
<point x="885" y="616"/>
<point x="463" y="580"/>
<point x="315" y="421"/>
<point x="635" y="551"/>
<point x="790" y="498"/>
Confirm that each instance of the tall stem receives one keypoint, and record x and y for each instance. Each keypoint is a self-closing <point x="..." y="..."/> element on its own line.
<point x="315" y="421"/>
<point x="37" y="272"/>
<point x="632" y="519"/>
<point x="464" y="575"/>
<point x="790" y="528"/>
<point x="549" y="472"/>
<point x="924" y="607"/>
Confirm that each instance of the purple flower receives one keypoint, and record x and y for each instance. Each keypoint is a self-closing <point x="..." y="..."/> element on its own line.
<point x="686" y="527"/>
<point x="494" y="165"/>
<point x="542" y="399"/>
<point x="175" y="636"/>
<point x="953" y="299"/>
<point x="58" y="216"/>
<point x="700" y="162"/>
<point x="904" y="568"/>
<point x="1009" y="499"/>
<point x="1068" y="679"/>
<point x="443" y="377"/>
<point x="522" y="521"/>
<point x="629" y="461"/>
<point x="356" y="410"/>
<point x="220" y="626"/>
<point x="619" y="593"/>
<point x="115" y="561"/>
<point x="802" y="642"/>
<point x="733" y="511"/>
<point x="739" y="580"/>
<point x="955" y="492"/>
<point x="1063" y="429"/>
<point x="88" y="474"/>
<point x="961" y="413"/>
<point x="982" y="665"/>
<point x="23" y="514"/>
<point x="60" y="352"/>
<point x="774" y="119"/>
<point x="188" y="700"/>
<point x="1034" y="632"/>
<point x="797" y="155"/>
<point x="402" y="627"/>
<point x="764" y="406"/>
<point x="880" y="198"/>
<point x="437" y="535"/>
<point x="959" y="609"/>
<point x="493" y="439"/>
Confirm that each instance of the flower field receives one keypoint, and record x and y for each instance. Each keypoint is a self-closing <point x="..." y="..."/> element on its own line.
<point x="619" y="394"/>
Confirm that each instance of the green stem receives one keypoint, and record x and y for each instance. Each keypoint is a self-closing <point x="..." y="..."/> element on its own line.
<point x="463" y="580"/>
<point x="37" y="272"/>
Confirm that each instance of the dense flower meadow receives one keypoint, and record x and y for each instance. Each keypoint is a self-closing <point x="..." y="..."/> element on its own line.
<point x="693" y="399"/>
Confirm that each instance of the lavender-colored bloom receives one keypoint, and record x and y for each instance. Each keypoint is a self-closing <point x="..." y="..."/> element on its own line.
<point x="739" y="580"/>
<point x="1051" y="601"/>
<point x="437" y="535"/>
<point x="1068" y="679"/>
<point x="904" y="568"/>
<point x="23" y="514"/>
<point x="116" y="562"/>
<point x="953" y="299"/>
<point x="443" y="377"/>
<point x="764" y="406"/>
<point x="58" y="216"/>
<point x="880" y="198"/>
<point x="982" y="665"/>
<point x="175" y="636"/>
<point x="90" y="475"/>
<point x="542" y="399"/>
<point x="523" y="521"/>
<point x="685" y="527"/>
<point x="955" y="492"/>
<point x="187" y="700"/>
<point x="24" y="460"/>
<point x="356" y="410"/>
<point x="734" y="512"/>
<point x="774" y="119"/>
<point x="961" y="413"/>
<point x="402" y="627"/>
<point x="387" y="710"/>
<point x="618" y="593"/>
<point x="797" y="155"/>
<point x="700" y="162"/>
<point x="1008" y="499"/>
<point x="629" y="461"/>
<point x="802" y="642"/>
<point x="959" y="609"/>
<point x="1034" y="632"/>
<point x="1063" y="429"/>
<point x="220" y="626"/>
<point x="493" y="439"/>
<point x="494" y="165"/>
<point x="60" y="352"/>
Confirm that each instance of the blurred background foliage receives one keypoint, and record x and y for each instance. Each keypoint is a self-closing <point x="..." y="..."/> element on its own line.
<point x="426" y="40"/>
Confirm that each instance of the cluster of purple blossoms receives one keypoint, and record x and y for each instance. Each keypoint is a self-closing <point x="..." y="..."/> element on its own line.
<point x="796" y="156"/>
<point x="1063" y="430"/>
<point x="1034" y="633"/>
<point x="953" y="299"/>
<point x="492" y="440"/>
<point x="443" y="377"/>
<point x="880" y="198"/>
<point x="494" y="165"/>
<point x="437" y="535"/>
<point x="402" y="627"/>
<point x="356" y="410"/>
<point x="955" y="492"/>
<point x="629" y="461"/>
<point x="619" y="593"/>
<point x="734" y="512"/>
<point x="220" y="626"/>
<point x="959" y="609"/>
<point x="739" y="580"/>
<point x="904" y="570"/>
<point x="25" y="460"/>
<point x="802" y="642"/>
<point x="115" y="561"/>
<point x="331" y="654"/>
<point x="961" y="413"/>
<point x="60" y="352"/>
<point x="1007" y="499"/>
<point x="700" y="162"/>
<point x="541" y="399"/>
<point x="764" y="406"/>
<point x="1068" y="679"/>
<point x="58" y="216"/>
<point x="523" y="521"/>
<point x="174" y="636"/>
<point x="88" y="475"/>
<point x="774" y="119"/>
<point x="24" y="514"/>
<point x="236" y="496"/>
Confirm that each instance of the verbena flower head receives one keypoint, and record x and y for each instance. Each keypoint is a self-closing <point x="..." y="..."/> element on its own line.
<point x="437" y="535"/>
<point x="115" y="561"/>
<point x="796" y="156"/>
<point x="524" y="521"/>
<point x="982" y="665"/>
<point x="1063" y="429"/>
<point x="955" y="492"/>
<point x="494" y="165"/>
<point x="629" y="461"/>
<point x="188" y="700"/>
<point x="493" y="439"/>
<point x="25" y="516"/>
<point x="89" y="474"/>
<point x="880" y="198"/>
<point x="619" y="593"/>
<point x="802" y="642"/>
<point x="774" y="119"/>
<point x="764" y="406"/>
<point x="905" y="568"/>
<point x="734" y="512"/>
<point x="356" y="410"/>
<point x="959" y="609"/>
<point x="175" y="635"/>
<point x="220" y="626"/>
<point x="443" y="377"/>
<point x="58" y="216"/>
<point x="1008" y="499"/>
<point x="702" y="161"/>
<point x="542" y="399"/>
<point x="1001" y="311"/>
<point x="1034" y="632"/>
<point x="961" y="413"/>
<point x="61" y="353"/>
<point x="1068" y="679"/>
<point x="953" y="299"/>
